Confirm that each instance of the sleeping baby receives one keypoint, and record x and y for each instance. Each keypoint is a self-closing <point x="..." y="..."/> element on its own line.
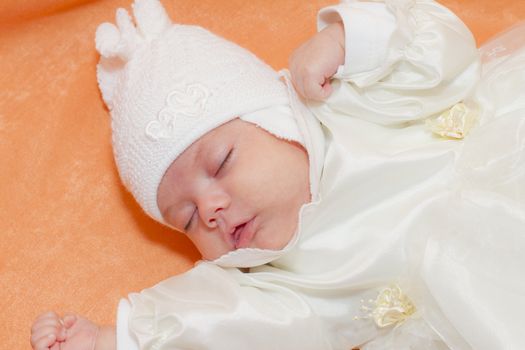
<point x="372" y="198"/>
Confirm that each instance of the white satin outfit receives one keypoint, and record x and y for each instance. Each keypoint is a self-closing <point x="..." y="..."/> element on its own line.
<point x="415" y="238"/>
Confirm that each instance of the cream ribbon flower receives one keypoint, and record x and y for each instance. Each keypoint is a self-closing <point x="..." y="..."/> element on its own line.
<point x="455" y="122"/>
<point x="390" y="307"/>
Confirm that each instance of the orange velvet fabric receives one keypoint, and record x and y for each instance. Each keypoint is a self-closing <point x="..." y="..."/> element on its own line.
<point x="71" y="237"/>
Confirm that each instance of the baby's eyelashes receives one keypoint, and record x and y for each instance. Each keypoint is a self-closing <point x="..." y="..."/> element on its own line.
<point x="224" y="162"/>
<point x="188" y="224"/>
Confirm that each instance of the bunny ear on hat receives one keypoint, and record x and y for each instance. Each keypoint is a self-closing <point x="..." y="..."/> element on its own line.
<point x="117" y="44"/>
<point x="152" y="19"/>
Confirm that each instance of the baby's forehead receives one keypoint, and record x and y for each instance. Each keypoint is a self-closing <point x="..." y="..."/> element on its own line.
<point x="222" y="134"/>
<point x="201" y="148"/>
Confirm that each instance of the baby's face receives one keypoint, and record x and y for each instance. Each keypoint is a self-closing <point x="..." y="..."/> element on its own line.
<point x="236" y="187"/>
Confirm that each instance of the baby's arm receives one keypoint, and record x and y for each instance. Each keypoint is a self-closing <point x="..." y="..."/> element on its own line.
<point x="314" y="62"/>
<point x="403" y="61"/>
<point x="72" y="332"/>
<point x="352" y="37"/>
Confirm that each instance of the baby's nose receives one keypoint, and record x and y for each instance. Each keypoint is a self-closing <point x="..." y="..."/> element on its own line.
<point x="212" y="207"/>
<point x="213" y="219"/>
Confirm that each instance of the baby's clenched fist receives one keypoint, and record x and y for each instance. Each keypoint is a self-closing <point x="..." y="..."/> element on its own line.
<point x="51" y="332"/>
<point x="313" y="63"/>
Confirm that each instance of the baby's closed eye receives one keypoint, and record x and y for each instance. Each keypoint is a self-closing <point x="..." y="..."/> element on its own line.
<point x="224" y="162"/>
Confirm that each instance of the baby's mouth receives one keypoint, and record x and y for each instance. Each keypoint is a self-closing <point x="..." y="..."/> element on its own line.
<point x="242" y="234"/>
<point x="236" y="234"/>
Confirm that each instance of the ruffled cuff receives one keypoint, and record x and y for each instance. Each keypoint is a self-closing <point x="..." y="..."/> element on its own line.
<point x="368" y="28"/>
<point x="125" y="340"/>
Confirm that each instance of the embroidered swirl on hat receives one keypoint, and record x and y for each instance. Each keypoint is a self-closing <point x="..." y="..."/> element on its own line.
<point x="188" y="102"/>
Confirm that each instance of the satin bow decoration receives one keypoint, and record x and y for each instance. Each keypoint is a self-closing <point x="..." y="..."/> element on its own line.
<point x="390" y="307"/>
<point x="455" y="122"/>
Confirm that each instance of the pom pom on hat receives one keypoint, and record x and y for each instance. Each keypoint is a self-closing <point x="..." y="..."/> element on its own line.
<point x="166" y="85"/>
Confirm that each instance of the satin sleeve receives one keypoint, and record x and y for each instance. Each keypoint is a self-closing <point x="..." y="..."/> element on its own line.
<point x="405" y="60"/>
<point x="210" y="307"/>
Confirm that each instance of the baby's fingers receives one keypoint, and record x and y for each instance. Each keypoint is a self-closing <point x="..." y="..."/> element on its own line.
<point x="44" y="319"/>
<point x="69" y="320"/>
<point x="306" y="83"/>
<point x="43" y="340"/>
<point x="316" y="88"/>
<point x="46" y="330"/>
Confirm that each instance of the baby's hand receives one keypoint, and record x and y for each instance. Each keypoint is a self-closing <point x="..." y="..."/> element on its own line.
<point x="316" y="61"/>
<point x="72" y="332"/>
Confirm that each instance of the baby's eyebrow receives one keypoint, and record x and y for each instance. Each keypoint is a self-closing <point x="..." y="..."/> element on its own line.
<point x="197" y="155"/>
<point x="166" y="213"/>
<point x="172" y="220"/>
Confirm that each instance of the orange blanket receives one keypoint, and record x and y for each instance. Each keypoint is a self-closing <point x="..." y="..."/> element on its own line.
<point x="71" y="237"/>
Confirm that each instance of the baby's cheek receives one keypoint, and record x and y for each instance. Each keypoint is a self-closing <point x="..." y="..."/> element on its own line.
<point x="209" y="244"/>
<point x="280" y="229"/>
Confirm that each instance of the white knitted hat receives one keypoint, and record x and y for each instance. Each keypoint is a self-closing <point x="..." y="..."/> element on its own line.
<point x="166" y="85"/>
